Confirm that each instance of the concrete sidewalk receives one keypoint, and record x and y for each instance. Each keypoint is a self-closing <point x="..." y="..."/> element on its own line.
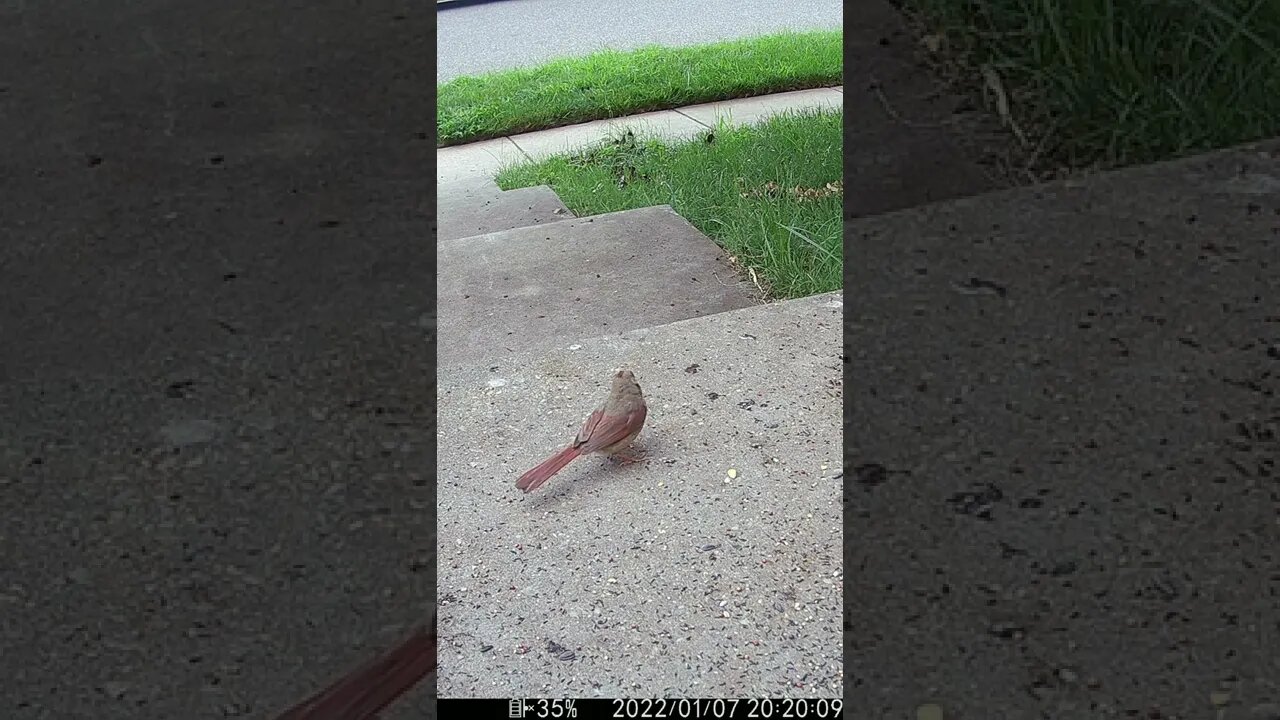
<point x="710" y="569"/>
<point x="477" y="163"/>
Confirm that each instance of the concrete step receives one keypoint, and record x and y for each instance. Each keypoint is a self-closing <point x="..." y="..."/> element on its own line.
<point x="737" y="492"/>
<point x="479" y="210"/>
<point x="1107" y="345"/>
<point x="543" y="285"/>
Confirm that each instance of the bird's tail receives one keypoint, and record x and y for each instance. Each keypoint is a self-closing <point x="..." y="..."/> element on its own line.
<point x="362" y="694"/>
<point x="530" y="481"/>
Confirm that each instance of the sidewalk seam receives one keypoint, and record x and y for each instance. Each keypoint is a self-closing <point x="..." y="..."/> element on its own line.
<point x="679" y="111"/>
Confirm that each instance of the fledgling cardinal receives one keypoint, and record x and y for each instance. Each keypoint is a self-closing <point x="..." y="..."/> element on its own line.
<point x="609" y="430"/>
<point x="370" y="688"/>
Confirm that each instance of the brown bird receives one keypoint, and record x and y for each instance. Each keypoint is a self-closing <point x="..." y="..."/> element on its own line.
<point x="370" y="688"/>
<point x="608" y="430"/>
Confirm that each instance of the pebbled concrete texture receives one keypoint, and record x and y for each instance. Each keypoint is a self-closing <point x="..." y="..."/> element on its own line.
<point x="539" y="286"/>
<point x="668" y="577"/>
<point x="1064" y="432"/>
<point x="467" y="212"/>
<point x="476" y="39"/>
<point x="215" y="359"/>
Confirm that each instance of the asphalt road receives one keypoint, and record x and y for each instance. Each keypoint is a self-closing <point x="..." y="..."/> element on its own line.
<point x="481" y="38"/>
<point x="215" y="364"/>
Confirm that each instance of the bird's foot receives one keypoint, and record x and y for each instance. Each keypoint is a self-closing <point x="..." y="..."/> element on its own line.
<point x="626" y="458"/>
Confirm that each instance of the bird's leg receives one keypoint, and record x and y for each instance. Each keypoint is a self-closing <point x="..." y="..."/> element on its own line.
<point x="626" y="457"/>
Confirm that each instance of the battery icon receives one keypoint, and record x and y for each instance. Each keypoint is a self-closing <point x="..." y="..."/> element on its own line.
<point x="515" y="708"/>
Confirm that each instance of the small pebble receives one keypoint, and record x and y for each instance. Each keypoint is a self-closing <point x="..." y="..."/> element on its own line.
<point x="1007" y="630"/>
<point x="929" y="711"/>
<point x="1265" y="711"/>
<point x="115" y="689"/>
<point x="182" y="433"/>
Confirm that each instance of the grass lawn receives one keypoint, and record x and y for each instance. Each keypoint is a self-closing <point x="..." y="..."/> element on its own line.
<point x="1104" y="83"/>
<point x="614" y="84"/>
<point x="738" y="185"/>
